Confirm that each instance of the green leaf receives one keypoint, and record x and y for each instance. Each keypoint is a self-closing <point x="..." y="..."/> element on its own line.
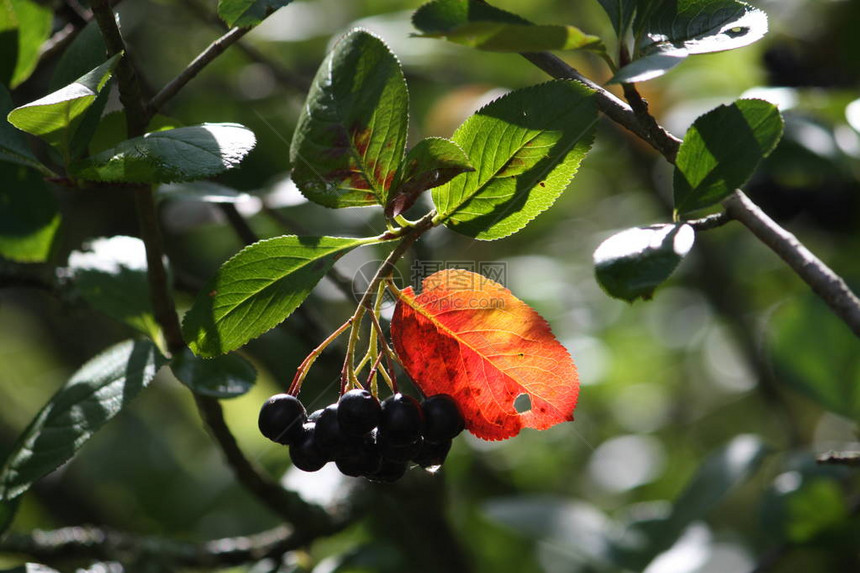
<point x="247" y="13"/>
<point x="110" y="274"/>
<point x="478" y="25"/>
<point x="56" y="116"/>
<point x="816" y="354"/>
<point x="29" y="216"/>
<point x="95" y="394"/>
<point x="723" y="470"/>
<point x="633" y="263"/>
<point x="258" y="288"/>
<point x="675" y="30"/>
<point x="526" y="148"/>
<point x="13" y="146"/>
<point x="802" y="505"/>
<point x="432" y="162"/>
<point x="351" y="134"/>
<point x="225" y="376"/>
<point x="24" y="27"/>
<point x="111" y="130"/>
<point x="181" y="154"/>
<point x="722" y="149"/>
<point x="620" y="13"/>
<point x="86" y="52"/>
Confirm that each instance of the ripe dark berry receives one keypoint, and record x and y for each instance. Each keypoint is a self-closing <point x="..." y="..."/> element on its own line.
<point x="433" y="454"/>
<point x="388" y="472"/>
<point x="315" y="415"/>
<point x="329" y="436"/>
<point x="402" y="421"/>
<point x="360" y="459"/>
<point x="442" y="418"/>
<point x="281" y="418"/>
<point x="304" y="452"/>
<point x="397" y="452"/>
<point x="358" y="412"/>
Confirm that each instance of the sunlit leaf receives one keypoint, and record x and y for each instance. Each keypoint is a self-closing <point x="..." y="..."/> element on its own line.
<point x="432" y="162"/>
<point x="225" y="376"/>
<point x="181" y="154"/>
<point x="246" y="13"/>
<point x="86" y="52"/>
<point x="258" y="288"/>
<point x="468" y="336"/>
<point x="56" y="116"/>
<point x="634" y="262"/>
<point x="13" y="146"/>
<point x="351" y="135"/>
<point x="814" y="352"/>
<point x="29" y="215"/>
<point x="526" y="148"/>
<point x="110" y="274"/>
<point x="675" y="30"/>
<point x="722" y="149"/>
<point x="95" y="394"/>
<point x="479" y="25"/>
<point x="24" y="27"/>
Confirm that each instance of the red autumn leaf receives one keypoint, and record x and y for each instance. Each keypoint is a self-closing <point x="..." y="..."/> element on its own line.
<point x="469" y="337"/>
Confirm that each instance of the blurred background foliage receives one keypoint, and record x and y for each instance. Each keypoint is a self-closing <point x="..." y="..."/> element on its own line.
<point x="718" y="394"/>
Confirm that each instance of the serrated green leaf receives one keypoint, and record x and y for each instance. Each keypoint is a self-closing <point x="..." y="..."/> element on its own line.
<point x="722" y="471"/>
<point x="351" y="135"/>
<point x="181" y="154"/>
<point x="814" y="352"/>
<point x="13" y="146"/>
<point x="112" y="131"/>
<point x="29" y="215"/>
<point x="674" y="30"/>
<point x="247" y="13"/>
<point x="526" y="147"/>
<point x="633" y="263"/>
<point x="56" y="116"/>
<point x="24" y="27"/>
<point x="110" y="274"/>
<point x="432" y="162"/>
<point x="95" y="394"/>
<point x="258" y="288"/>
<point x="225" y="376"/>
<point x="479" y="25"/>
<point x="722" y="149"/>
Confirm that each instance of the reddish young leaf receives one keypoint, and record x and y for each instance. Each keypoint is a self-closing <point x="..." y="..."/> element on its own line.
<point x="469" y="337"/>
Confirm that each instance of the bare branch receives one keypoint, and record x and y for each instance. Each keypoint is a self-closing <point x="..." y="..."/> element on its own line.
<point x="710" y="222"/>
<point x="206" y="57"/>
<point x="835" y="458"/>
<point x="108" y="545"/>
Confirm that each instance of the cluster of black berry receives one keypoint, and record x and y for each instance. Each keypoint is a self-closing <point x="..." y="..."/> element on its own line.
<point x="363" y="437"/>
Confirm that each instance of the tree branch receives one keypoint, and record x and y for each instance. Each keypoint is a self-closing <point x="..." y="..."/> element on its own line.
<point x="206" y="57"/>
<point x="108" y="545"/>
<point x="851" y="459"/>
<point x="823" y="281"/>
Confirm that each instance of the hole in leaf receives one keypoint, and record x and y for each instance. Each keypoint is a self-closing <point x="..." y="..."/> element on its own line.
<point x="523" y="403"/>
<point x="737" y="31"/>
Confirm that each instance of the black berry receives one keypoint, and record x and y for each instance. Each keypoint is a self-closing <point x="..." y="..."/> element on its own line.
<point x="442" y="418"/>
<point x="304" y="451"/>
<point x="358" y="412"/>
<point x="315" y="415"/>
<point x="398" y="452"/>
<point x="402" y="421"/>
<point x="388" y="472"/>
<point x="433" y="454"/>
<point x="281" y="418"/>
<point x="329" y="436"/>
<point x="361" y="459"/>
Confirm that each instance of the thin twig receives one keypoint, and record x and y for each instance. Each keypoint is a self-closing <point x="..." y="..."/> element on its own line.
<point x="206" y="57"/>
<point x="710" y="222"/>
<point x="95" y="543"/>
<point x="834" y="458"/>
<point x="823" y="281"/>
